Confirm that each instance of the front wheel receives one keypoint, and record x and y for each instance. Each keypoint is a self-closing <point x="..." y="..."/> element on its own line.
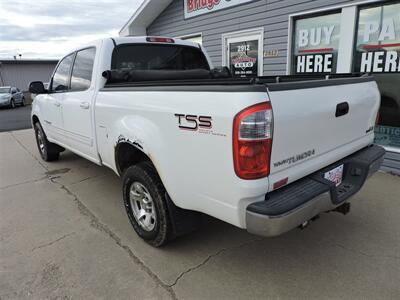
<point x="12" y="103"/>
<point x="48" y="151"/>
<point x="145" y="203"/>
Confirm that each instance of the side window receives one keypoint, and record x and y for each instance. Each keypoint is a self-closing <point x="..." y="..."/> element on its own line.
<point x="13" y="91"/>
<point x="82" y="70"/>
<point x="60" y="80"/>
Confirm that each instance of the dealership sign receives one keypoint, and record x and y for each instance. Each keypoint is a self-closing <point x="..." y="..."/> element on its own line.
<point x="318" y="63"/>
<point x="314" y="51"/>
<point x="243" y="58"/>
<point x="199" y="7"/>
<point x="380" y="46"/>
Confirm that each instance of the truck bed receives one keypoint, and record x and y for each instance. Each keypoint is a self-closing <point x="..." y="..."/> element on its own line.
<point x="308" y="134"/>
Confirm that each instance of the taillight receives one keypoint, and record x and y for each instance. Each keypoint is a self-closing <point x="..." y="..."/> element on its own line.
<point x="252" y="141"/>
<point x="378" y="119"/>
<point x="155" y="39"/>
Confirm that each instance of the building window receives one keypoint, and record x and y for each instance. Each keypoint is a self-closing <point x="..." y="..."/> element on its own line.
<point x="378" y="51"/>
<point x="316" y="44"/>
<point x="378" y="39"/>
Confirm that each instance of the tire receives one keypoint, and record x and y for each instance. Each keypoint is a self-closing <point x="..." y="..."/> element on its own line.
<point x="48" y="151"/>
<point x="23" y="101"/>
<point x="12" y="103"/>
<point x="155" y="225"/>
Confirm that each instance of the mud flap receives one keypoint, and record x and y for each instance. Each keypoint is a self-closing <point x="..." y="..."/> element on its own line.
<point x="183" y="221"/>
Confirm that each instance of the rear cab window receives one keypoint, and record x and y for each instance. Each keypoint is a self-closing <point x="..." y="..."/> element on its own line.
<point x="158" y="57"/>
<point x="82" y="70"/>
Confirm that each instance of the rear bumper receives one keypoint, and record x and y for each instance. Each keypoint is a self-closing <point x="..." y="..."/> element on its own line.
<point x="292" y="205"/>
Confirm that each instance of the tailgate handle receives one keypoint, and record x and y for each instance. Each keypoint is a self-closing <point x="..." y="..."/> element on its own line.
<point x="342" y="109"/>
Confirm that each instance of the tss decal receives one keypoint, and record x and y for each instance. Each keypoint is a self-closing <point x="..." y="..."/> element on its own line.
<point x="193" y="122"/>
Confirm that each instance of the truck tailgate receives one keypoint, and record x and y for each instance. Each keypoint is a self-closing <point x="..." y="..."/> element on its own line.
<point x="310" y="122"/>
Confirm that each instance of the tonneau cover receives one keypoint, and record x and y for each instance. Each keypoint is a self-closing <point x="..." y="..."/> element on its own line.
<point x="131" y="75"/>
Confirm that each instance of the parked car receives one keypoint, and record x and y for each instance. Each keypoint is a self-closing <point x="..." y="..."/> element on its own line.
<point x="11" y="96"/>
<point x="266" y="154"/>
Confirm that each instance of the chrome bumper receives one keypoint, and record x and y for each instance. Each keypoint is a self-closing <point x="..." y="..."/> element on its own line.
<point x="292" y="205"/>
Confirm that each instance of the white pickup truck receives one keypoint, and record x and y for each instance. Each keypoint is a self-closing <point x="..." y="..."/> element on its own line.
<point x="266" y="154"/>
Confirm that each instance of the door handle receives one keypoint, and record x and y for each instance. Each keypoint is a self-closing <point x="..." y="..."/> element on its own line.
<point x="84" y="105"/>
<point x="342" y="109"/>
<point x="58" y="104"/>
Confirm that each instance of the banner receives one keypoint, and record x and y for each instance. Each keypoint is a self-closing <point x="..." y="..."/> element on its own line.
<point x="199" y="7"/>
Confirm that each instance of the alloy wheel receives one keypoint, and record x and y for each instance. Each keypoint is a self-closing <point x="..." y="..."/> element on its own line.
<point x="142" y="205"/>
<point x="40" y="141"/>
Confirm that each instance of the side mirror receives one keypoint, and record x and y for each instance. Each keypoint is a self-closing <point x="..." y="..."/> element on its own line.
<point x="37" y="87"/>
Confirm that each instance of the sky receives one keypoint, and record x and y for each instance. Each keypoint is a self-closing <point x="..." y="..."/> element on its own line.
<point x="50" y="28"/>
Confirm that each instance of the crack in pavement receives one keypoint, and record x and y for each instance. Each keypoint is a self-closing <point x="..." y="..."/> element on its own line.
<point x="52" y="242"/>
<point x="95" y="222"/>
<point x="29" y="152"/>
<point x="211" y="256"/>
<point x="191" y="269"/>
<point x="22" y="183"/>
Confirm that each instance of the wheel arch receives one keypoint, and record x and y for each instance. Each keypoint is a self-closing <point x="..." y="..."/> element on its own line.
<point x="127" y="154"/>
<point x="135" y="139"/>
<point x="35" y="119"/>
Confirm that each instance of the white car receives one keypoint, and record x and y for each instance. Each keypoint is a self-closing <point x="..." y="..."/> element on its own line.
<point x="266" y="154"/>
<point x="11" y="97"/>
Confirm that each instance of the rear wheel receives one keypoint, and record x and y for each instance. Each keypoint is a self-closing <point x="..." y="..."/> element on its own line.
<point x="145" y="203"/>
<point x="23" y="101"/>
<point x="48" y="151"/>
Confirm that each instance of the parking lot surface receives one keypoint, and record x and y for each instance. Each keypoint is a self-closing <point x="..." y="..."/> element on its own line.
<point x="64" y="234"/>
<point x="15" y="119"/>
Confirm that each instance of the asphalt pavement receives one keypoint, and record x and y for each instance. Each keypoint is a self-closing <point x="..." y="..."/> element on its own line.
<point x="64" y="234"/>
<point x="15" y="119"/>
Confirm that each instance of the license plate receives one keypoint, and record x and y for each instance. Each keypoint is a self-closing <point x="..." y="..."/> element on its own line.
<point x="335" y="175"/>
